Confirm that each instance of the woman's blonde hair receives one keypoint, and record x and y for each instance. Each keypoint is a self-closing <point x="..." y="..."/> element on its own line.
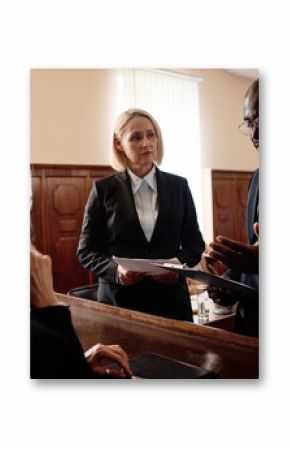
<point x="119" y="159"/>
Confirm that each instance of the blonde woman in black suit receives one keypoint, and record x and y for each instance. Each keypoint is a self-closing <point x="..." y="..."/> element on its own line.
<point x="140" y="212"/>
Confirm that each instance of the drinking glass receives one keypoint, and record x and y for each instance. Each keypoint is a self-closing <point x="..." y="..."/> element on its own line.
<point x="202" y="306"/>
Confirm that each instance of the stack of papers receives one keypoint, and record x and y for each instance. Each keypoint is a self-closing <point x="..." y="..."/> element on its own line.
<point x="161" y="266"/>
<point x="212" y="280"/>
<point x="147" y="266"/>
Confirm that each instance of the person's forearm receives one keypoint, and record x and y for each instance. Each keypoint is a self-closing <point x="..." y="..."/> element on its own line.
<point x="100" y="265"/>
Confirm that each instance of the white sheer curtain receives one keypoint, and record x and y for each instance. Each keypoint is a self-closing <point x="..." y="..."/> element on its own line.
<point x="173" y="100"/>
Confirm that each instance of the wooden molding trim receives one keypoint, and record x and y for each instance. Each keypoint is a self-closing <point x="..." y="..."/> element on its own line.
<point x="71" y="170"/>
<point x="219" y="335"/>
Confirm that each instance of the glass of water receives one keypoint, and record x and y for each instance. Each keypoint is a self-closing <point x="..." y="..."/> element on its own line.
<point x="202" y="306"/>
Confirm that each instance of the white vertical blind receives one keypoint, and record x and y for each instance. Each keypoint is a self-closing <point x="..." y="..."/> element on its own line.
<point x="173" y="100"/>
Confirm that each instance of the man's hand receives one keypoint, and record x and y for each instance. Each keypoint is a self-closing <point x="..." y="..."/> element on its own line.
<point x="100" y="355"/>
<point x="236" y="255"/>
<point x="41" y="287"/>
<point x="222" y="296"/>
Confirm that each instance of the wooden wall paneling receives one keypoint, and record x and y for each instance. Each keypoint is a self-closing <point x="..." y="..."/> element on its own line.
<point x="65" y="203"/>
<point x="230" y="192"/>
<point x="37" y="231"/>
<point x="59" y="196"/>
<point x="241" y="192"/>
<point x="222" y="213"/>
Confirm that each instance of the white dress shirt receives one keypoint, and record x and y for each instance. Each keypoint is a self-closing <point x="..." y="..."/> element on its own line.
<point x="145" y="196"/>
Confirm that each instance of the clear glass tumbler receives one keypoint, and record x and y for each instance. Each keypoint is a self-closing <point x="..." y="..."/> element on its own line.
<point x="202" y="306"/>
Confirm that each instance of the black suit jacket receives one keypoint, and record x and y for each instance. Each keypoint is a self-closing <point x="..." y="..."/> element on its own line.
<point x="247" y="319"/>
<point x="55" y="350"/>
<point x="111" y="227"/>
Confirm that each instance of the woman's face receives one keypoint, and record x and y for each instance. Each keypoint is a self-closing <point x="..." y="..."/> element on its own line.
<point x="139" y="143"/>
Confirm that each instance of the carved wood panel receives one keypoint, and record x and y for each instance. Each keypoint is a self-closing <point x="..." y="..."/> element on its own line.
<point x="37" y="222"/>
<point x="230" y="193"/>
<point x="65" y="202"/>
<point x="59" y="197"/>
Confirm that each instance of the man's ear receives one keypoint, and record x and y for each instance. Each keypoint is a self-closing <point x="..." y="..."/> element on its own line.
<point x="117" y="144"/>
<point x="256" y="229"/>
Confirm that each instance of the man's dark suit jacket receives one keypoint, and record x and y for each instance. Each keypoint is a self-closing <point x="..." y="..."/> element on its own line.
<point x="111" y="227"/>
<point x="247" y="320"/>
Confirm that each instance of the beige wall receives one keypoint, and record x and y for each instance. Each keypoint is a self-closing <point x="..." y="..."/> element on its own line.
<point x="72" y="113"/>
<point x="221" y="98"/>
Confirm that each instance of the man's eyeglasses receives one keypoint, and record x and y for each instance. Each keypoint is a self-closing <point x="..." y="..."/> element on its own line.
<point x="247" y="127"/>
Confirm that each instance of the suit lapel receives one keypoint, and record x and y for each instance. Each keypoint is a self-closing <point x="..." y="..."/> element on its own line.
<point x="129" y="203"/>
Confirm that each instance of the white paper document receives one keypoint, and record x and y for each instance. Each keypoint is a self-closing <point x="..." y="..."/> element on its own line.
<point x="209" y="278"/>
<point x="144" y="265"/>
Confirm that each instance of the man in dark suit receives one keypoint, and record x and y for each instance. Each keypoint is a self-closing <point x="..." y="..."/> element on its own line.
<point x="142" y="213"/>
<point x="243" y="259"/>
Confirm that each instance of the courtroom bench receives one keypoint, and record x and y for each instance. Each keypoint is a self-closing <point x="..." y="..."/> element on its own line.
<point x="229" y="355"/>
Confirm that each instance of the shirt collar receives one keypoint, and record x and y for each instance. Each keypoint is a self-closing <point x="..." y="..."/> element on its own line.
<point x="150" y="178"/>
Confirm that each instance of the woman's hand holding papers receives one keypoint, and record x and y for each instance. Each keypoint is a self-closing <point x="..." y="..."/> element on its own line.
<point x="126" y="277"/>
<point x="167" y="278"/>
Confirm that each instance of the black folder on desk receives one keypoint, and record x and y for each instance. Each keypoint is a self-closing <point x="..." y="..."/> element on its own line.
<point x="154" y="366"/>
<point x="209" y="279"/>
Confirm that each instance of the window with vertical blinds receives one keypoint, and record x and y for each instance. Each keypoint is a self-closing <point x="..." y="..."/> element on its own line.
<point x="173" y="100"/>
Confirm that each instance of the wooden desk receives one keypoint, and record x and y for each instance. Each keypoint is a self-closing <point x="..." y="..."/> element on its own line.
<point x="230" y="355"/>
